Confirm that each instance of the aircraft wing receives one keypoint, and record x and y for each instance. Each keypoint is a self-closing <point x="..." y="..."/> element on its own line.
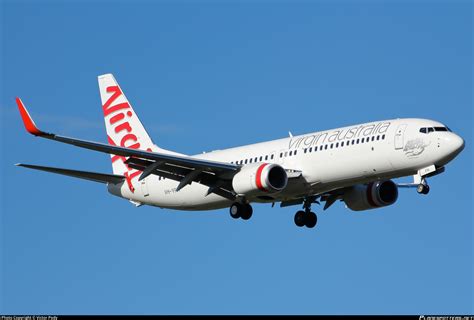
<point x="217" y="175"/>
<point x="86" y="175"/>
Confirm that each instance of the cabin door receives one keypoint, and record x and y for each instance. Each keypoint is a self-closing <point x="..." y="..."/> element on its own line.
<point x="399" y="136"/>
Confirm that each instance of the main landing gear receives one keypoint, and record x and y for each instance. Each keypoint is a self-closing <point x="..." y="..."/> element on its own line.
<point x="307" y="217"/>
<point x="241" y="210"/>
<point x="423" y="187"/>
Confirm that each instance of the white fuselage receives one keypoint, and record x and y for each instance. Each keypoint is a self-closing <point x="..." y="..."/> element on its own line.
<point x="328" y="160"/>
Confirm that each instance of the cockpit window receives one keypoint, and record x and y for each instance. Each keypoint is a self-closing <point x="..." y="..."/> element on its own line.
<point x="433" y="129"/>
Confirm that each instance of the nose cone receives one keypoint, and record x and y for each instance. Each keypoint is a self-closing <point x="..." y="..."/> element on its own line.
<point x="451" y="146"/>
<point x="456" y="144"/>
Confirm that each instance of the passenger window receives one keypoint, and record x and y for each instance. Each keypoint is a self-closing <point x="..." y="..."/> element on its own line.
<point x="261" y="158"/>
<point x="325" y="147"/>
<point x="281" y="155"/>
<point x="353" y="141"/>
<point x="311" y="149"/>
<point x="291" y="153"/>
<point x="305" y="150"/>
<point x="315" y="148"/>
<point x="373" y="138"/>
<point x="357" y="141"/>
<point x="383" y="137"/>
<point x="378" y="138"/>
<point x="266" y="157"/>
<point x="295" y="152"/>
<point x="245" y="161"/>
<point x="332" y="145"/>
<point x="342" y="144"/>
<point x="271" y="157"/>
<point x="250" y="161"/>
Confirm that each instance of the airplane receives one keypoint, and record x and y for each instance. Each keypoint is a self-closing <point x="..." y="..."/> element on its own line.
<point x="354" y="164"/>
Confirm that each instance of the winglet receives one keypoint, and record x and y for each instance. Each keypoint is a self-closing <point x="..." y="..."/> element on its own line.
<point x="27" y="120"/>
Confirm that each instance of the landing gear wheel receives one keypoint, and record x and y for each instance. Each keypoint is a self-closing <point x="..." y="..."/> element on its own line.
<point x="311" y="219"/>
<point x="422" y="188"/>
<point x="246" y="212"/>
<point x="236" y="210"/>
<point x="300" y="218"/>
<point x="427" y="189"/>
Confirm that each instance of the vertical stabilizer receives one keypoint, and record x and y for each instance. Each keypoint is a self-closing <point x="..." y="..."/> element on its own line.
<point x="121" y="122"/>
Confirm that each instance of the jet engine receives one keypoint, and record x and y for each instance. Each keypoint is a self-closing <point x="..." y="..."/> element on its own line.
<point x="370" y="196"/>
<point x="260" y="178"/>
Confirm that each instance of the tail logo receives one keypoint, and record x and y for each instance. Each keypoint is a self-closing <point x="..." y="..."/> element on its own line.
<point x="117" y="116"/>
<point x="117" y="121"/>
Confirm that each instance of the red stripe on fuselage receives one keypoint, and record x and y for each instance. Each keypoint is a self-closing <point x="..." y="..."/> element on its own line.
<point x="258" y="178"/>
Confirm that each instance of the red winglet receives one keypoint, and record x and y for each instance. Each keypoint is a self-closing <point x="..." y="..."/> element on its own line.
<point x="27" y="120"/>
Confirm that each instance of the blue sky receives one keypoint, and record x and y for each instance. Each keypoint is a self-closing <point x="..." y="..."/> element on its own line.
<point x="209" y="75"/>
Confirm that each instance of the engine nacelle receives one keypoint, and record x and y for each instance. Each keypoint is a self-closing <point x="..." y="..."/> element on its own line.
<point x="370" y="196"/>
<point x="260" y="178"/>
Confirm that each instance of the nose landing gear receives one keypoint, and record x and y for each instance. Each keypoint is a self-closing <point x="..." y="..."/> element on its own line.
<point x="419" y="179"/>
<point x="423" y="188"/>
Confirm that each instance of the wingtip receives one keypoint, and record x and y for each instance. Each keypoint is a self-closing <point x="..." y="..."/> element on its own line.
<point x="30" y="125"/>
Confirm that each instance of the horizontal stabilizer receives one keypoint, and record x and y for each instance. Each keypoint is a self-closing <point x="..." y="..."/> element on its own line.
<point x="92" y="176"/>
